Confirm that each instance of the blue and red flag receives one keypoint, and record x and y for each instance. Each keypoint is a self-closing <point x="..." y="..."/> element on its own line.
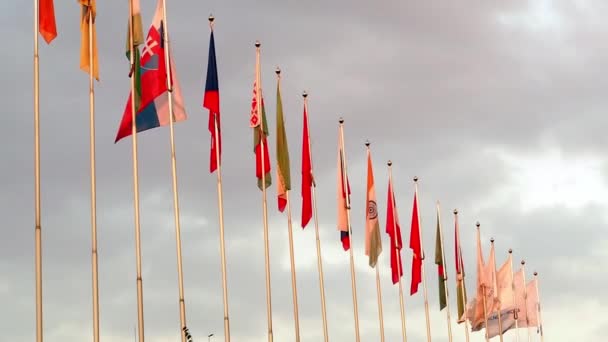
<point x="343" y="194"/>
<point x="154" y="104"/>
<point x="211" y="101"/>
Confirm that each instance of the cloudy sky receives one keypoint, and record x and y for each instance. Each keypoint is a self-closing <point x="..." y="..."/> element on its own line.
<point x="497" y="106"/>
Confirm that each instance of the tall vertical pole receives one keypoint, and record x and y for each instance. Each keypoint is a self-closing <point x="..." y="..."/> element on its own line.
<point x="494" y="282"/>
<point x="220" y="205"/>
<point x="38" y="224"/>
<point x="525" y="287"/>
<point x="352" y="258"/>
<point x="294" y="291"/>
<point x="483" y="290"/>
<point x="178" y="241"/>
<point x="513" y="293"/>
<point x="93" y="184"/>
<point x="461" y="279"/>
<point x="426" y="297"/>
<point x="445" y="276"/>
<point x="540" y="317"/>
<point x="140" y="294"/>
<point x="264" y="204"/>
<point x="398" y="252"/>
<point x="316" y="221"/>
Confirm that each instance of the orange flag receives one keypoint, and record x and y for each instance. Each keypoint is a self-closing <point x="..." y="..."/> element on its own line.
<point x="46" y="20"/>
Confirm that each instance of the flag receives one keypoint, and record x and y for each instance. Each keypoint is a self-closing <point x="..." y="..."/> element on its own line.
<point x="416" y="247"/>
<point x="504" y="286"/>
<point x="87" y="22"/>
<point x="486" y="287"/>
<point x="260" y="130"/>
<point x="283" y="173"/>
<point x="307" y="179"/>
<point x="46" y="20"/>
<point x="506" y="319"/>
<point x="211" y="101"/>
<point x="394" y="232"/>
<point x="154" y="106"/>
<point x="138" y="39"/>
<point x="373" y="240"/>
<point x="342" y="193"/>
<point x="461" y="291"/>
<point x="440" y="265"/>
<point x="526" y="300"/>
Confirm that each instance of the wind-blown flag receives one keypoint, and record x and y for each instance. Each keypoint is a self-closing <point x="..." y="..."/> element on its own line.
<point x="257" y="121"/>
<point x="373" y="239"/>
<point x="343" y="191"/>
<point x="283" y="172"/>
<point x="506" y="298"/>
<point x="485" y="288"/>
<point x="138" y="39"/>
<point x="307" y="181"/>
<point x="211" y="101"/>
<point x="154" y="106"/>
<point x="461" y="291"/>
<point x="416" y="247"/>
<point x="394" y="232"/>
<point x="46" y="20"/>
<point x="440" y="265"/>
<point x="87" y="22"/>
<point x="526" y="299"/>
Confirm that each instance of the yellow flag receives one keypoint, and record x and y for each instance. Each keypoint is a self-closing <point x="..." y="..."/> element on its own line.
<point x="87" y="22"/>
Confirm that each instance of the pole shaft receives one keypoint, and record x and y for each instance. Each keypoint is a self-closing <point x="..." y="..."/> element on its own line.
<point x="38" y="224"/>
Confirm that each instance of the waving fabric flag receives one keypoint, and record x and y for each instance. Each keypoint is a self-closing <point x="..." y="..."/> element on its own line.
<point x="440" y="265"/>
<point x="461" y="291"/>
<point x="373" y="239"/>
<point x="393" y="229"/>
<point x="138" y="39"/>
<point x="283" y="172"/>
<point x="46" y="20"/>
<point x="212" y="102"/>
<point x="87" y="22"/>
<point x="343" y="191"/>
<point x="416" y="247"/>
<point x="257" y="121"/>
<point x="154" y="106"/>
<point x="306" y="172"/>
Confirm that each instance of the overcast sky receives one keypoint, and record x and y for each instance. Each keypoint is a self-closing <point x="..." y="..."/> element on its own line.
<point x="498" y="107"/>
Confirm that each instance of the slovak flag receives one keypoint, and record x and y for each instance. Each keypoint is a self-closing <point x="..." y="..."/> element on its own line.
<point x="153" y="110"/>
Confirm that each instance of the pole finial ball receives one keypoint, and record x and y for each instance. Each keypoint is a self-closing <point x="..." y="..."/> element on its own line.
<point x="277" y="70"/>
<point x="415" y="178"/>
<point x="367" y="143"/>
<point x="492" y="240"/>
<point x="211" y="18"/>
<point x="389" y="163"/>
<point x="477" y="224"/>
<point x="535" y="273"/>
<point x="257" y="43"/>
<point x="455" y="211"/>
<point x="523" y="262"/>
<point x="510" y="251"/>
<point x="341" y="121"/>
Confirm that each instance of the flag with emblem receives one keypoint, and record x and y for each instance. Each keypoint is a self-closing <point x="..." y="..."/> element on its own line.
<point x="257" y="121"/>
<point x="373" y="240"/>
<point x="88" y="38"/>
<point x="154" y="106"/>
<point x="46" y="20"/>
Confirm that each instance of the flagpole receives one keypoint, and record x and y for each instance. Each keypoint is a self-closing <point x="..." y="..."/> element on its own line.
<point x="397" y="252"/>
<point x="513" y="294"/>
<point x="378" y="287"/>
<point x="316" y="220"/>
<point x="445" y="276"/>
<point x="93" y="183"/>
<point x="294" y="290"/>
<point x="462" y="290"/>
<point x="499" y="308"/>
<point x="426" y="298"/>
<point x="523" y="271"/>
<point x="264" y="204"/>
<point x="540" y="318"/>
<point x="38" y="224"/>
<point x="483" y="292"/>
<point x="140" y="295"/>
<point x="178" y="241"/>
<point x="220" y="205"/>
<point x="352" y="258"/>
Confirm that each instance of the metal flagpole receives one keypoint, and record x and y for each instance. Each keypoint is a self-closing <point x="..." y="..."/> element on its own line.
<point x="316" y="219"/>
<point x="93" y="183"/>
<point x="513" y="293"/>
<point x="264" y="204"/>
<point x="523" y="271"/>
<point x="483" y="292"/>
<point x="294" y="290"/>
<point x="140" y="295"/>
<point x="540" y="318"/>
<point x="178" y="241"/>
<point x="378" y="287"/>
<point x="461" y="264"/>
<point x="401" y="300"/>
<point x="426" y="298"/>
<point x="445" y="276"/>
<point x="38" y="224"/>
<point x="220" y="204"/>
<point x="499" y="308"/>
<point x="352" y="258"/>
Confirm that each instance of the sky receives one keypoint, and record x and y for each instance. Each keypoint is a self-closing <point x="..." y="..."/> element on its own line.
<point x="497" y="107"/>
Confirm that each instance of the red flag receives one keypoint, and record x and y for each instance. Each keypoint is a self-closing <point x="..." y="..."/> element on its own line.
<point x="306" y="172"/>
<point x="416" y="247"/>
<point x="46" y="20"/>
<point x="394" y="231"/>
<point x="211" y="101"/>
<point x="343" y="197"/>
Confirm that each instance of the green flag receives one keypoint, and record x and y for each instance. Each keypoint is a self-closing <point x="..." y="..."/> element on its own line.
<point x="440" y="265"/>
<point x="283" y="173"/>
<point x="138" y="39"/>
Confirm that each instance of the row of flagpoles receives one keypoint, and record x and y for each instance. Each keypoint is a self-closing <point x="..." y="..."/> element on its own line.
<point x="503" y="299"/>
